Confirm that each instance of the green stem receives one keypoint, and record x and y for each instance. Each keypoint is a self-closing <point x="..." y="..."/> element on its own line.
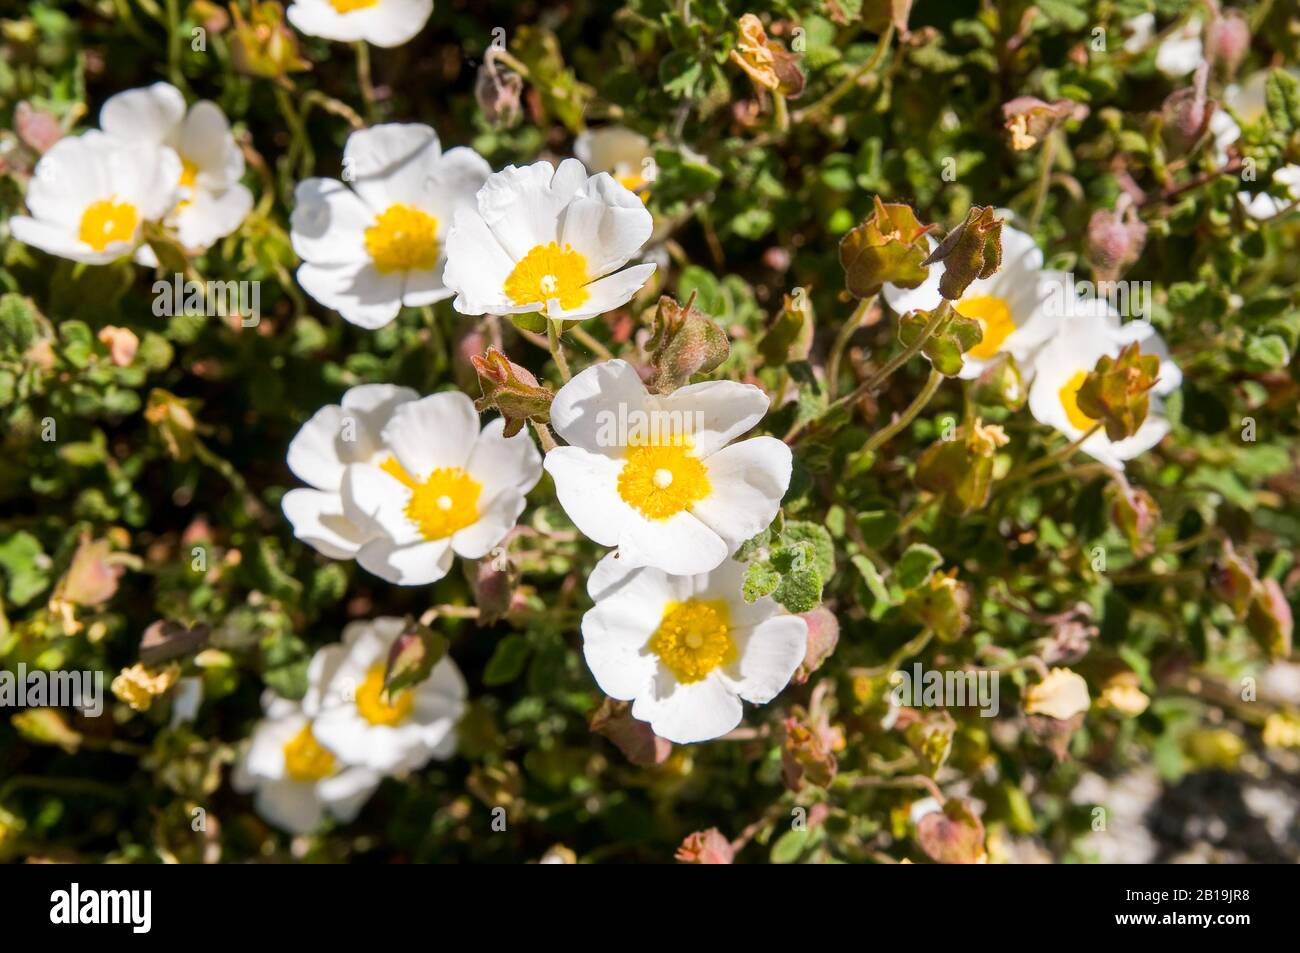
<point x="1048" y="159"/>
<point x="174" y="44"/>
<point x="781" y="119"/>
<point x="846" y="85"/>
<point x="842" y="343"/>
<point x="882" y="436"/>
<point x="557" y="350"/>
<point x="363" y="77"/>
<point x="902" y="357"/>
<point x="590" y="343"/>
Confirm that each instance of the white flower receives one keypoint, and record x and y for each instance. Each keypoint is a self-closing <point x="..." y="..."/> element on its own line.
<point x="548" y="239"/>
<point x="686" y="649"/>
<point x="1247" y="102"/>
<point x="371" y="248"/>
<point x="1141" y="30"/>
<point x="363" y="725"/>
<point x="1013" y="306"/>
<point x="1060" y="369"/>
<point x="212" y="202"/>
<point x="624" y="154"/>
<point x="298" y="781"/>
<point x="1182" y="51"/>
<point x="378" y="22"/>
<point x="654" y="475"/>
<point x="446" y="488"/>
<point x="335" y="437"/>
<point x="91" y="194"/>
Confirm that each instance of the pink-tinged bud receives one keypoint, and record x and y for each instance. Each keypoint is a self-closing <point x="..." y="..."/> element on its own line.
<point x="823" y="636"/>
<point x="1186" y="114"/>
<point x="705" y="847"/>
<point x="38" y="130"/>
<point x="1232" y="579"/>
<point x="1029" y="120"/>
<point x="808" y="751"/>
<point x="1228" y="40"/>
<point x="1269" y="619"/>
<point x="685" y="342"/>
<point x="1136" y="514"/>
<point x="92" y="577"/>
<point x="1115" y="240"/>
<point x="121" y="343"/>
<point x="498" y="91"/>
<point x="954" y="835"/>
<point x="639" y="744"/>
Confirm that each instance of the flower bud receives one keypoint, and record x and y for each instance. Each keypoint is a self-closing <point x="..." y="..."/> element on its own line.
<point x="1228" y="40"/>
<point x="769" y="65"/>
<point x="790" y="337"/>
<point x="1186" y="115"/>
<point x="121" y="343"/>
<point x="808" y="751"/>
<point x="954" y="835"/>
<point x="1269" y="619"/>
<point x="511" y="389"/>
<point x="960" y="470"/>
<point x="823" y="636"/>
<point x="173" y="420"/>
<point x="971" y="250"/>
<point x="639" y="744"/>
<point x="498" y="91"/>
<point x="38" y="129"/>
<point x="942" y="603"/>
<point x="1117" y="391"/>
<point x="1001" y="385"/>
<point x="887" y="248"/>
<point x="412" y="657"/>
<point x="1135" y="513"/>
<point x="705" y="847"/>
<point x="1115" y="241"/>
<point x="878" y="14"/>
<point x="685" y="342"/>
<point x="262" y="44"/>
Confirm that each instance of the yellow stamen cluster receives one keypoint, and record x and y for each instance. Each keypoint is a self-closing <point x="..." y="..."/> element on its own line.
<point x="305" y="759"/>
<point x="694" y="638"/>
<point x="662" y="480"/>
<point x="347" y="6"/>
<point x="994" y="317"/>
<point x="1069" y="395"/>
<point x="403" y="239"/>
<point x="376" y="706"/>
<point x="108" y="221"/>
<point x="445" y="502"/>
<point x="549" y="272"/>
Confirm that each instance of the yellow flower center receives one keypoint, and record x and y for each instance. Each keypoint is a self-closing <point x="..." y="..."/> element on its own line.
<point x="694" y="638"/>
<point x="305" y="759"/>
<point x="662" y="480"/>
<point x="376" y="706"/>
<point x="549" y="272"/>
<point x="994" y="317"/>
<point x="445" y="502"/>
<point x="347" y="6"/>
<point x="403" y="239"/>
<point x="108" y="221"/>
<point x="188" y="180"/>
<point x="1070" y="401"/>
<point x="633" y="182"/>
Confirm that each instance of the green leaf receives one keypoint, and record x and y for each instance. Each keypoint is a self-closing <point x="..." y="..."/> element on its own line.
<point x="916" y="564"/>
<point x="875" y="582"/>
<point x="1282" y="94"/>
<point x="878" y="526"/>
<point x="760" y="580"/>
<point x="818" y="538"/>
<point x="1269" y="351"/>
<point x="507" y="660"/>
<point x="800" y="590"/>
<point x="26" y="565"/>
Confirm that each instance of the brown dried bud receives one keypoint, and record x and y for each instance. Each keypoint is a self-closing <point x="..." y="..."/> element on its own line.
<point x="705" y="847"/>
<point x="971" y="250"/>
<point x="1029" y="120"/>
<point x="954" y="835"/>
<point x="769" y="65"/>
<point x="497" y="91"/>
<point x="512" y="390"/>
<point x="808" y="751"/>
<point x="889" y="247"/>
<point x="1117" y="391"/>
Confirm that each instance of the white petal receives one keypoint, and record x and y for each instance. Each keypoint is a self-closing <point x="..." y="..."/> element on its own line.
<point x="497" y="462"/>
<point x="209" y="217"/>
<point x="477" y="266"/>
<point x="586" y="484"/>
<point x="415" y="565"/>
<point x="390" y="164"/>
<point x="606" y="294"/>
<point x="359" y="292"/>
<point x="376" y="502"/>
<point x="585" y="407"/>
<point x="150" y="114"/>
<point x="57" y="241"/>
<point x="346" y="793"/>
<point x="452" y="184"/>
<point x="607" y="226"/>
<point x="681" y="544"/>
<point x="718" y="411"/>
<point x="522" y="205"/>
<point x="613" y="644"/>
<point x="699" y="711"/>
<point x="768" y="655"/>
<point x="436" y="431"/>
<point x="206" y="141"/>
<point x="328" y="223"/>
<point x="746" y="484"/>
<point x="371" y="406"/>
<point x="318" y="453"/>
<point x="497" y="517"/>
<point x="318" y="520"/>
<point x="291" y="806"/>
